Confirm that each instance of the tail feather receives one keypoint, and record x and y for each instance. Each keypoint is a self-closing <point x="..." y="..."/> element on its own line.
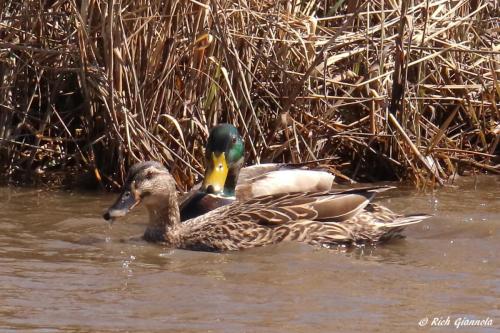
<point x="406" y="220"/>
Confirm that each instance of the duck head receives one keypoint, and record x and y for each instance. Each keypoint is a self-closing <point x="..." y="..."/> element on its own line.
<point x="147" y="182"/>
<point x="224" y="157"/>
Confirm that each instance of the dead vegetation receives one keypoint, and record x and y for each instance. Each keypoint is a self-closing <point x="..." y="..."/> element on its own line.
<point x="374" y="90"/>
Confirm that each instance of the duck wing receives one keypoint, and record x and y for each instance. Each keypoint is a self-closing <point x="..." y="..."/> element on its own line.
<point x="269" y="179"/>
<point x="332" y="206"/>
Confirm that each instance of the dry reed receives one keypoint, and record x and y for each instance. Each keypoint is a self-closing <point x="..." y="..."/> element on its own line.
<point x="372" y="90"/>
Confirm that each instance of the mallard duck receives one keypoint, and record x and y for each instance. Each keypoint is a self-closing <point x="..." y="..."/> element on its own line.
<point x="318" y="218"/>
<point x="225" y="180"/>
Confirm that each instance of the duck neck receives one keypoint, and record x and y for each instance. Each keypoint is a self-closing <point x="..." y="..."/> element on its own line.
<point x="162" y="218"/>
<point x="230" y="184"/>
<point x="232" y="180"/>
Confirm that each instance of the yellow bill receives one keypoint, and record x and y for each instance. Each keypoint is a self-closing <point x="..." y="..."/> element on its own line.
<point x="216" y="173"/>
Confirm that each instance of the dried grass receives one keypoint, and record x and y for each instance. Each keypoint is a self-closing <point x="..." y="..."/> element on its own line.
<point x="380" y="90"/>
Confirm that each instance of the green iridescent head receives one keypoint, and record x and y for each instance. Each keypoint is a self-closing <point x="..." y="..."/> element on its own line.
<point x="224" y="158"/>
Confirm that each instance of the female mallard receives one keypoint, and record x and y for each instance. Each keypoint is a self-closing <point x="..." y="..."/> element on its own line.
<point x="225" y="180"/>
<point x="318" y="218"/>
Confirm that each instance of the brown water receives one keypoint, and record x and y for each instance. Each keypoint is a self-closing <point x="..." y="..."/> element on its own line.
<point x="63" y="269"/>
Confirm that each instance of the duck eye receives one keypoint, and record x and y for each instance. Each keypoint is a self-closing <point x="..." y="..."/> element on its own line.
<point x="233" y="140"/>
<point x="149" y="175"/>
<point x="126" y="195"/>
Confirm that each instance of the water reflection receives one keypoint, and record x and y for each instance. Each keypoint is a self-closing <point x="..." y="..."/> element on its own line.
<point x="62" y="268"/>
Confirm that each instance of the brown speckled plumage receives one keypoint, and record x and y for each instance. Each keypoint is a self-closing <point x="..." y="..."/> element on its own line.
<point x="319" y="218"/>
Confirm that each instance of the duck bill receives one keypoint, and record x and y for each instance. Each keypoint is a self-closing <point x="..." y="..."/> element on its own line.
<point x="216" y="174"/>
<point x="125" y="203"/>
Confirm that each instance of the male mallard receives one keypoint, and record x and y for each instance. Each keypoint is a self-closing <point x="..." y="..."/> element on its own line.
<point x="318" y="218"/>
<point x="225" y="180"/>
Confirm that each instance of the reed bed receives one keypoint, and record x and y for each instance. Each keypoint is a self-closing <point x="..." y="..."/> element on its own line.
<point x="372" y="90"/>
